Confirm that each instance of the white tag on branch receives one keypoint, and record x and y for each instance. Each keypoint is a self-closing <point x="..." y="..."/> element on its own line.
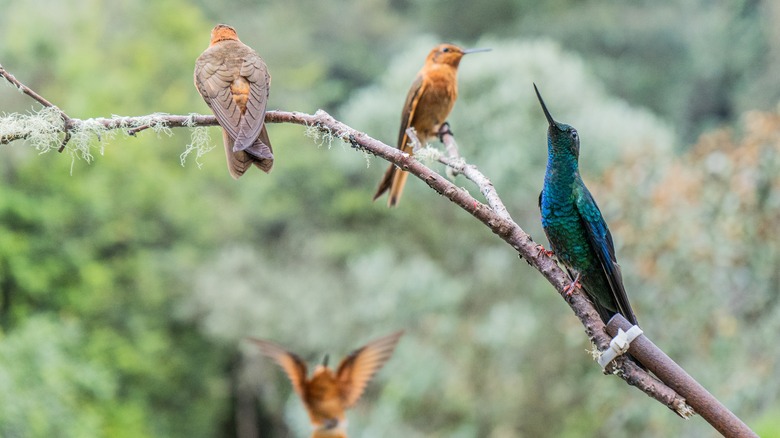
<point x="619" y="345"/>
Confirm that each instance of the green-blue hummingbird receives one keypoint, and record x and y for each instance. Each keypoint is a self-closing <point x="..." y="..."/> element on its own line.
<point x="573" y="223"/>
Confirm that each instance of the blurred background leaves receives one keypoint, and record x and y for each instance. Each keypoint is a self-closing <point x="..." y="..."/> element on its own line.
<point x="126" y="289"/>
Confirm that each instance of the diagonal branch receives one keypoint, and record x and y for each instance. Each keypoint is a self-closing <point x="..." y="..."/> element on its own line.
<point x="25" y="89"/>
<point x="500" y="223"/>
<point x="493" y="215"/>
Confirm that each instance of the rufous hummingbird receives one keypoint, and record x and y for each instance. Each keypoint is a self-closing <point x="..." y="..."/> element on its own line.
<point x="428" y="104"/>
<point x="234" y="81"/>
<point x="326" y="395"/>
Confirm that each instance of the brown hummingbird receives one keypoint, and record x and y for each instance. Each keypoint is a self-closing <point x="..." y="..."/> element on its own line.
<point x="327" y="395"/>
<point x="428" y="104"/>
<point x="234" y="82"/>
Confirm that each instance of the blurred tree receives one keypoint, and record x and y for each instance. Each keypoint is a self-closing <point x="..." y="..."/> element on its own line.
<point x="47" y="387"/>
<point x="689" y="61"/>
<point x="97" y="259"/>
<point x="698" y="63"/>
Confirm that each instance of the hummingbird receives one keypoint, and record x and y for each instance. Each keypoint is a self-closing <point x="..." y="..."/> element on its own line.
<point x="326" y="395"/>
<point x="234" y="81"/>
<point x="574" y="226"/>
<point x="428" y="104"/>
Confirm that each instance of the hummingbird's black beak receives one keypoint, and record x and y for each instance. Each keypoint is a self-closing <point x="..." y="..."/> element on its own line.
<point x="544" y="107"/>
<point x="466" y="52"/>
<point x="325" y="361"/>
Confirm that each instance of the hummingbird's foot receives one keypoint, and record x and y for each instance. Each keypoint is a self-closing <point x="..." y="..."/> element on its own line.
<point x="331" y="423"/>
<point x="568" y="290"/>
<point x="444" y="129"/>
<point x="542" y="250"/>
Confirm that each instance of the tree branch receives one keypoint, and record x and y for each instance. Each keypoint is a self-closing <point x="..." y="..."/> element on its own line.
<point x="722" y="419"/>
<point x="499" y="221"/>
<point x="25" y="89"/>
<point x="29" y="91"/>
<point x="493" y="215"/>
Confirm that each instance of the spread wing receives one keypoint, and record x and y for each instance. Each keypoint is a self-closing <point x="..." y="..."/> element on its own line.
<point x="410" y="107"/>
<point x="293" y="366"/>
<point x="256" y="74"/>
<point x="357" y="369"/>
<point x="600" y="239"/>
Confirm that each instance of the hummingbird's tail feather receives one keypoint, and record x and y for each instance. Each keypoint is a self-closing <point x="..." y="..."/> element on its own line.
<point x="237" y="162"/>
<point x="262" y="152"/>
<point x="328" y="434"/>
<point x="394" y="180"/>
<point x="386" y="182"/>
<point x="397" y="188"/>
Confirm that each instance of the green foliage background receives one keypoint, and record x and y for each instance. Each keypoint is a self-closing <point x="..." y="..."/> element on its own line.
<point x="127" y="285"/>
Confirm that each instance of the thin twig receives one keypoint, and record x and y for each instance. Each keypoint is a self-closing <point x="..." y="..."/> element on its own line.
<point x="471" y="172"/>
<point x="25" y="89"/>
<point x="138" y="129"/>
<point x="10" y="138"/>
<point x="67" y="122"/>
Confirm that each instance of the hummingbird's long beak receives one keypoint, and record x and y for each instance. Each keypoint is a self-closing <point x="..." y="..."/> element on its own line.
<point x="325" y="361"/>
<point x="466" y="52"/>
<point x="544" y="107"/>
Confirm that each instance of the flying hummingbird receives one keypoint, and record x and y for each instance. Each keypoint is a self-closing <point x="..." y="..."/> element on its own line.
<point x="428" y="104"/>
<point x="326" y="395"/>
<point x="575" y="227"/>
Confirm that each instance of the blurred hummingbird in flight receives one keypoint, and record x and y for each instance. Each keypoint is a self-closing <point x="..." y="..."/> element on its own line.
<point x="234" y="81"/>
<point x="575" y="227"/>
<point x="428" y="104"/>
<point x="326" y="395"/>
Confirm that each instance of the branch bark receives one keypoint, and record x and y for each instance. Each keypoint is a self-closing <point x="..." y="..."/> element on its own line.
<point x="493" y="215"/>
<point x="66" y="121"/>
<point x="713" y="411"/>
<point x="499" y="221"/>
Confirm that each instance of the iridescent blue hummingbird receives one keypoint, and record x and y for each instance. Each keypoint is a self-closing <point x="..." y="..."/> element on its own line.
<point x="575" y="227"/>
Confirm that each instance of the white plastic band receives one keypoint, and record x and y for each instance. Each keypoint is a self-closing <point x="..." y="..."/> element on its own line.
<point x="619" y="345"/>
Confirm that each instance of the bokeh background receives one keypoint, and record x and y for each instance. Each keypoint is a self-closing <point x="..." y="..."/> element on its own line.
<point x="128" y="284"/>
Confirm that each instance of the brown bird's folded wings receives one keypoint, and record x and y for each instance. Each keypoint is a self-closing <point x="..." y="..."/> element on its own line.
<point x="234" y="82"/>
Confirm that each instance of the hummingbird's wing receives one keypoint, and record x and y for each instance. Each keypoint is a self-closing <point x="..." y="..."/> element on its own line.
<point x="293" y="366"/>
<point x="355" y="370"/>
<point x="600" y="239"/>
<point x="407" y="115"/>
<point x="258" y="80"/>
<point x="410" y="107"/>
<point x="213" y="79"/>
<point x="237" y="95"/>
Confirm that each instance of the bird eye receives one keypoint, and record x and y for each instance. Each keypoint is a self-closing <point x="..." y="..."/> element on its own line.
<point x="574" y="134"/>
<point x="445" y="50"/>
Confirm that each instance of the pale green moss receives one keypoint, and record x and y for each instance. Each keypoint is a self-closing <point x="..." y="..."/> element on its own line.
<point x="200" y="143"/>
